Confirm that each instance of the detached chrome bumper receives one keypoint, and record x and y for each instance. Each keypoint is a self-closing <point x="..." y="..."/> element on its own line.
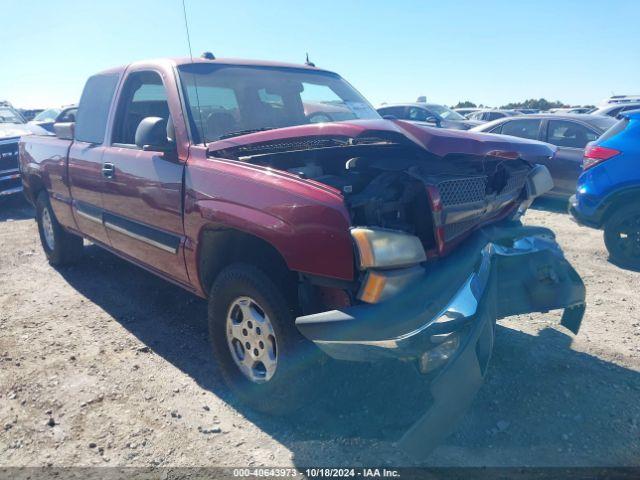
<point x="499" y="272"/>
<point x="526" y="264"/>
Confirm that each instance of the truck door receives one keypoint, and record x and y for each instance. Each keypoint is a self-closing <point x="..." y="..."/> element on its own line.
<point x="142" y="197"/>
<point x="86" y="179"/>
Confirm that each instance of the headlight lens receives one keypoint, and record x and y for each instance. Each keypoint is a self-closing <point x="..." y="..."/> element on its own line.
<point x="379" y="248"/>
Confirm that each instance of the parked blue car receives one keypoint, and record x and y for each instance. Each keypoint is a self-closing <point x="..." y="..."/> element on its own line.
<point x="608" y="192"/>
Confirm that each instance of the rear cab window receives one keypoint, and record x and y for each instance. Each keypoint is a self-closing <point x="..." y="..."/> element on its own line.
<point x="93" y="109"/>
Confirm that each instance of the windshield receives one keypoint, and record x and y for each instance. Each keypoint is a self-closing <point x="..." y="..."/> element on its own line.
<point x="8" y="115"/>
<point x="49" y="115"/>
<point x="226" y="101"/>
<point x="444" y="112"/>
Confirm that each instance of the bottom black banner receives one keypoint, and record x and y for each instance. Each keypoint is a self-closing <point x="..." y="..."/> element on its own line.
<point x="223" y="473"/>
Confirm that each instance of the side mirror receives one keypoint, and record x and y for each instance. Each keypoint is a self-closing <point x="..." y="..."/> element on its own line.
<point x="151" y="135"/>
<point x="65" y="130"/>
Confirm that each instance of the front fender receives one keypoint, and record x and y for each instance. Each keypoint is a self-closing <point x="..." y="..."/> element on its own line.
<point x="310" y="238"/>
<point x="308" y="224"/>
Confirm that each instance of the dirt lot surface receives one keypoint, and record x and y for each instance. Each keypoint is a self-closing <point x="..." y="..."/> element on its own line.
<point x="104" y="364"/>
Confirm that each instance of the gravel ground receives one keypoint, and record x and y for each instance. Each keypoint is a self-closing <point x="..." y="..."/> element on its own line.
<point x="104" y="364"/>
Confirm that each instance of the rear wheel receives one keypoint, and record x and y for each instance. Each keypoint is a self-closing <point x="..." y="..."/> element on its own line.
<point x="262" y="357"/>
<point x="60" y="246"/>
<point x="622" y="236"/>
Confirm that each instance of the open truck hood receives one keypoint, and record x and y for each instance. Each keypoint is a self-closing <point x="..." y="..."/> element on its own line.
<point x="471" y="179"/>
<point x="437" y="141"/>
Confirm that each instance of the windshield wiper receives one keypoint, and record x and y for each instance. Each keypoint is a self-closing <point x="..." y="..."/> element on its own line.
<point x="244" y="132"/>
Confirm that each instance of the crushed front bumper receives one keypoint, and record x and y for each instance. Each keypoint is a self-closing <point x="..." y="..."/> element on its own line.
<point x="499" y="272"/>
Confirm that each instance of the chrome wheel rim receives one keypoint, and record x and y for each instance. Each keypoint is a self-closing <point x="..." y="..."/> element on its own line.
<point x="251" y="339"/>
<point x="47" y="229"/>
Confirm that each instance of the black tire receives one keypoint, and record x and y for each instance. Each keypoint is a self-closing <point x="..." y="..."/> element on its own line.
<point x="298" y="360"/>
<point x="622" y="236"/>
<point x="63" y="248"/>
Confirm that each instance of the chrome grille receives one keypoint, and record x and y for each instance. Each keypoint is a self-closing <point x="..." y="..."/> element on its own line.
<point x="463" y="190"/>
<point x="514" y="183"/>
<point x="9" y="155"/>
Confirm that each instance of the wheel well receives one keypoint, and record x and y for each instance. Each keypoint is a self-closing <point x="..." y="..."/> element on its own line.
<point x="623" y="198"/>
<point x="35" y="186"/>
<point x="221" y="248"/>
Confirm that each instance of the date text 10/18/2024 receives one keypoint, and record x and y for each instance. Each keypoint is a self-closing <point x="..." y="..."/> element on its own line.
<point x="316" y="472"/>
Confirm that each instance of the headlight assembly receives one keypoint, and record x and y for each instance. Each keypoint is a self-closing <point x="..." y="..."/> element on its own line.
<point x="380" y="248"/>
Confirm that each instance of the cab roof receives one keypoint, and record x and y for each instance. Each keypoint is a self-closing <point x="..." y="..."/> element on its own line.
<point x="179" y="61"/>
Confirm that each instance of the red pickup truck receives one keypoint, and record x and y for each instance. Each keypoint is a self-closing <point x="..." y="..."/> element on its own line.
<point x="313" y="226"/>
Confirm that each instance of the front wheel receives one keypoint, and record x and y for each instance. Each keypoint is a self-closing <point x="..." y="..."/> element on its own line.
<point x="262" y="357"/>
<point x="622" y="236"/>
<point x="60" y="246"/>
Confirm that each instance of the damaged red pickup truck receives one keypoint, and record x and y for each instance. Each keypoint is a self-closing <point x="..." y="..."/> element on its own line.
<point x="310" y="223"/>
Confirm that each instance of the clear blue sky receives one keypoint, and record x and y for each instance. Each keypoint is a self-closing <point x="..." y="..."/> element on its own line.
<point x="487" y="51"/>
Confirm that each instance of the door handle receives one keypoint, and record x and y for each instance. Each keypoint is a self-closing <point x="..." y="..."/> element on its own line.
<point x="108" y="170"/>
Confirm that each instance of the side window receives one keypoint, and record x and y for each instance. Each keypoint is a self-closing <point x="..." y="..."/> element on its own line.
<point x="497" y="129"/>
<point x="524" y="128"/>
<point x="68" y="115"/>
<point x="94" y="108"/>
<point x="143" y="95"/>
<point x="615" y="112"/>
<point x="418" y="114"/>
<point x="569" y="134"/>
<point x="398" y="112"/>
<point x="494" y="115"/>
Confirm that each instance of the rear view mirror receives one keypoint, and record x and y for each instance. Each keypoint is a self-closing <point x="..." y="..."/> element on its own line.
<point x="151" y="135"/>
<point x="65" y="130"/>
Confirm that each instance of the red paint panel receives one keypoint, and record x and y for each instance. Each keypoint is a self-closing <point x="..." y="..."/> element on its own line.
<point x="307" y="224"/>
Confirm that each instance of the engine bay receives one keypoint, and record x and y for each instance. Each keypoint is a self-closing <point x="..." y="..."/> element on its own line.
<point x="400" y="187"/>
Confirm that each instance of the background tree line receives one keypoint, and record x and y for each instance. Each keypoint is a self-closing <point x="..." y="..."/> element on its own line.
<point x="539" y="104"/>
